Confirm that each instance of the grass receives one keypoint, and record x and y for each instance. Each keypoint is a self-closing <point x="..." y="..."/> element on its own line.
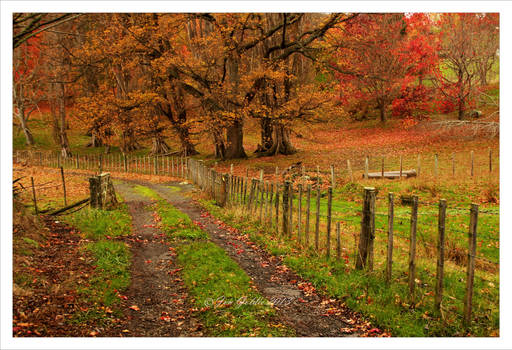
<point x="388" y="306"/>
<point x="99" y="224"/>
<point x="217" y="285"/>
<point x="112" y="259"/>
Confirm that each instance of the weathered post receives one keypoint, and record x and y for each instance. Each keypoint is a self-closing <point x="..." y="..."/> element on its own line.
<point x="290" y="209"/>
<point x="401" y="167"/>
<point x="34" y="199"/>
<point x="286" y="209"/>
<point x="308" y="209"/>
<point x="333" y="179"/>
<point x="277" y="207"/>
<point x="389" y="261"/>
<point x="223" y="189"/>
<point x="412" y="247"/>
<point x="317" y="223"/>
<point x="349" y="167"/>
<point x="299" y="215"/>
<point x="440" y="254"/>
<point x="468" y="299"/>
<point x="365" y="247"/>
<point x="436" y="167"/>
<point x="102" y="191"/>
<point x="329" y="214"/>
<point x="472" y="163"/>
<point x="63" y="186"/>
<point x="338" y="241"/>
<point x="490" y="160"/>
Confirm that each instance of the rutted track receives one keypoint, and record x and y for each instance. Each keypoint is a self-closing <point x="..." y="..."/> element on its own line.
<point x="156" y="304"/>
<point x="305" y="311"/>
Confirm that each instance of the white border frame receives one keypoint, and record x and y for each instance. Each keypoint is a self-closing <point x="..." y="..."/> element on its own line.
<point x="8" y="7"/>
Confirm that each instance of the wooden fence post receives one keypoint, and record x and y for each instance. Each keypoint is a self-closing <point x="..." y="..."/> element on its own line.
<point x="401" y="167"/>
<point x="412" y="247"/>
<point x="365" y="239"/>
<point x="338" y="241"/>
<point x="223" y="194"/>
<point x="251" y="195"/>
<point x="34" y="195"/>
<point x="436" y="167"/>
<point x="418" y="170"/>
<point x="468" y="299"/>
<point x="290" y="209"/>
<point x="317" y="223"/>
<point x="277" y="207"/>
<point x="490" y="160"/>
<point x="333" y="179"/>
<point x="391" y="214"/>
<point x="329" y="215"/>
<point x="262" y="198"/>
<point x="472" y="163"/>
<point x="267" y="200"/>
<point x="349" y="168"/>
<point x="63" y="186"/>
<point x="299" y="215"/>
<point x="308" y="209"/>
<point x="286" y="209"/>
<point x="440" y="254"/>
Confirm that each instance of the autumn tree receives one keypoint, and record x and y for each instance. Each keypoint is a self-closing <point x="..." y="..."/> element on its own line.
<point x="26" y="85"/>
<point x="464" y="60"/>
<point x="381" y="57"/>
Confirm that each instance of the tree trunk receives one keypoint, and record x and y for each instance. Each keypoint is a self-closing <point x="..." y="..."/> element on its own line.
<point x="64" y="142"/>
<point x="187" y="146"/>
<point x="281" y="142"/>
<point x="220" y="146"/>
<point x="159" y="146"/>
<point x="129" y="142"/>
<point x="235" y="139"/>
<point x="95" y="141"/>
<point x="267" y="129"/>
<point x="382" y="112"/>
<point x="23" y="124"/>
<point x="461" y="109"/>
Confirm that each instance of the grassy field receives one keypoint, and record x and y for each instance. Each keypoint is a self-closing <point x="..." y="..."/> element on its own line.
<point x="390" y="306"/>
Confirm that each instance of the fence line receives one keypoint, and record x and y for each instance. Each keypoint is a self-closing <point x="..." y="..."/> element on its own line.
<point x="281" y="208"/>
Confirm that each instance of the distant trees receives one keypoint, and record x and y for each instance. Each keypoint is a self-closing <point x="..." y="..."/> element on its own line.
<point x="134" y="76"/>
<point x="381" y="60"/>
<point x="469" y="47"/>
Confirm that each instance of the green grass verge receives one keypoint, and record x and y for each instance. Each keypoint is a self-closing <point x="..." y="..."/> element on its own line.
<point x="111" y="258"/>
<point x="98" y="224"/>
<point x="219" y="288"/>
<point x="387" y="306"/>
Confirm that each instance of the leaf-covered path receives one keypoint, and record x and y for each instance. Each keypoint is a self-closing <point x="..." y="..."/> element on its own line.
<point x="297" y="303"/>
<point x="155" y="304"/>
